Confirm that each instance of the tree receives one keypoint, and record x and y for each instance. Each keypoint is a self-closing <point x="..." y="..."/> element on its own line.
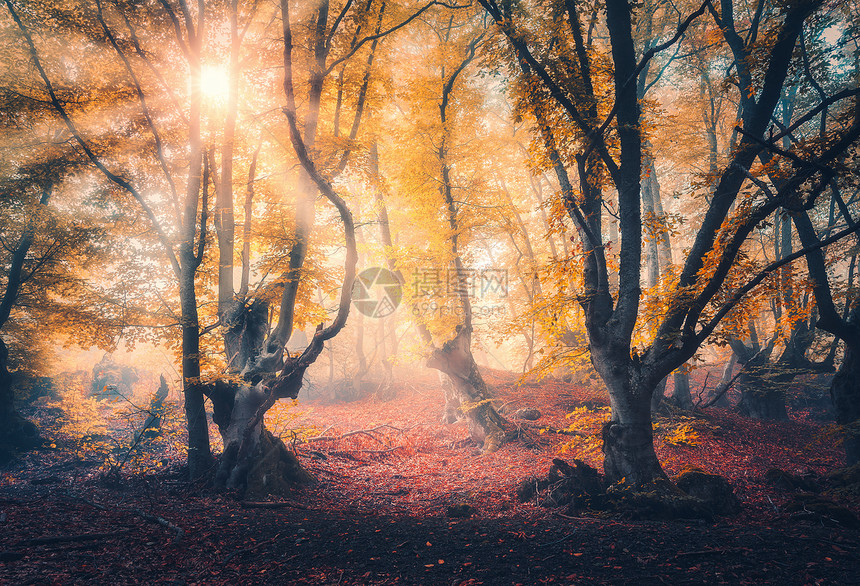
<point x="46" y="249"/>
<point x="185" y="257"/>
<point x="609" y="152"/>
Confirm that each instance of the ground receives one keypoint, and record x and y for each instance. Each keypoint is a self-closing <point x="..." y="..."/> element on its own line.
<point x="384" y="510"/>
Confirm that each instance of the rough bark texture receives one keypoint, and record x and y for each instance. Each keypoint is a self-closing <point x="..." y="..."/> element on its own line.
<point x="845" y="392"/>
<point x="466" y="393"/>
<point x="199" y="453"/>
<point x="246" y="324"/>
<point x="628" y="442"/>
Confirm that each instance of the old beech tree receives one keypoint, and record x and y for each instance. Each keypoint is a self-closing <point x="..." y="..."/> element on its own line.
<point x="560" y="71"/>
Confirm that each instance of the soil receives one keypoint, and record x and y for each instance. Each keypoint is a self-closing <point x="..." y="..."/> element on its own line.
<point x="408" y="500"/>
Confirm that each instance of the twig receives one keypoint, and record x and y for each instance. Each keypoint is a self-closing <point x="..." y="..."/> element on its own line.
<point x="85" y="501"/>
<point x="71" y="538"/>
<point x="247" y="550"/>
<point x="386" y="451"/>
<point x="272" y="505"/>
<point x="706" y="551"/>
<point x="565" y="538"/>
<point x="563" y="516"/>
<point x="367" y="432"/>
<point x="776" y="510"/>
<point x="564" y="431"/>
<point x="161" y="521"/>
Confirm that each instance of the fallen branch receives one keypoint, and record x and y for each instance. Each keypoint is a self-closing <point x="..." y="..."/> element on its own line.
<point x="272" y="505"/>
<point x="367" y="432"/>
<point x="564" y="431"/>
<point x="161" y="521"/>
<point x="74" y="497"/>
<point x="707" y="551"/>
<point x="565" y="538"/>
<point x="386" y="451"/>
<point x="563" y="516"/>
<point x="247" y="550"/>
<point x="72" y="538"/>
<point x="722" y="389"/>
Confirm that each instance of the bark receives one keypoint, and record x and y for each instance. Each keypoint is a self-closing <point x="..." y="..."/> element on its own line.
<point x="199" y="453"/>
<point x="466" y="392"/>
<point x="224" y="217"/>
<point x="845" y="393"/>
<point x="252" y="456"/>
<point x="246" y="227"/>
<point x="610" y="319"/>
<point x="386" y="390"/>
<point x="844" y="387"/>
<point x="15" y="431"/>
<point x="658" y="396"/>
<point x="681" y="396"/>
<point x="762" y="388"/>
<point x="628" y="442"/>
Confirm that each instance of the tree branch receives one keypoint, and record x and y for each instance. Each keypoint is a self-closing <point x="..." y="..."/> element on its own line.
<point x="162" y="236"/>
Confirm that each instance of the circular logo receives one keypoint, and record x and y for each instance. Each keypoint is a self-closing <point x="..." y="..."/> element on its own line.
<point x="376" y="292"/>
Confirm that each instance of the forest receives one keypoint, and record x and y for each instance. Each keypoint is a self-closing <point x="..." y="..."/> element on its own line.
<point x="429" y="292"/>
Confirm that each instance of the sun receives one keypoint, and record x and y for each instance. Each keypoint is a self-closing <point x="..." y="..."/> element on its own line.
<point x="215" y="83"/>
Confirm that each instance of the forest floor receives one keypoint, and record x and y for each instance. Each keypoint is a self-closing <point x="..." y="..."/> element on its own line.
<point x="391" y="480"/>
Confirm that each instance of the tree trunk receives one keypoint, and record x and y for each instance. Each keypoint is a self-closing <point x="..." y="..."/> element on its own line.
<point x="845" y="392"/>
<point x="761" y="397"/>
<point x="466" y="392"/>
<point x="268" y="467"/>
<point x="681" y="396"/>
<point x="762" y="389"/>
<point x="721" y="391"/>
<point x="199" y="454"/>
<point x="15" y="431"/>
<point x="658" y="396"/>
<point x="628" y="442"/>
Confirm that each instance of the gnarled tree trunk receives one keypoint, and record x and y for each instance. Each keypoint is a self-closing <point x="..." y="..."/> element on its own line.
<point x="466" y="393"/>
<point x="628" y="442"/>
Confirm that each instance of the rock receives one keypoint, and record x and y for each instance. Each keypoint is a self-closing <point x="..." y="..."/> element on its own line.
<point x="460" y="511"/>
<point x="809" y="507"/>
<point x="712" y="489"/>
<point x="529" y="487"/>
<point x="527" y="413"/>
<point x="787" y="481"/>
<point x="659" y="499"/>
<point x="845" y="482"/>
